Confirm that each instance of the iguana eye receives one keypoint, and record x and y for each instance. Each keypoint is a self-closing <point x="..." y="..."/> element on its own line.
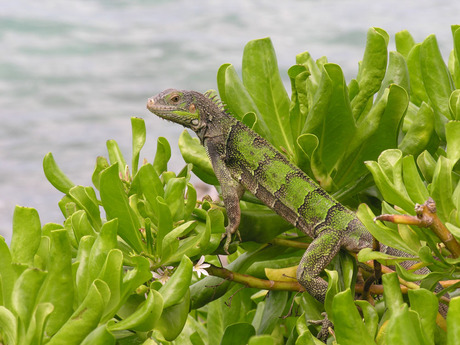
<point x="174" y="99"/>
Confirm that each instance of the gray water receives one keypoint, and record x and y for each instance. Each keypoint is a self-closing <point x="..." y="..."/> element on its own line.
<point x="72" y="73"/>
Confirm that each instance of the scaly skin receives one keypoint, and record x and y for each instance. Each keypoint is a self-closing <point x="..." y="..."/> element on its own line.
<point x="244" y="160"/>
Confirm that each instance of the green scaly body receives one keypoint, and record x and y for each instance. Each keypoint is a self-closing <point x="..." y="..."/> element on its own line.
<point x="244" y="160"/>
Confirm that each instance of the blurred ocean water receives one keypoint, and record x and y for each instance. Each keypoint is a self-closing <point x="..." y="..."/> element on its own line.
<point x="72" y="73"/>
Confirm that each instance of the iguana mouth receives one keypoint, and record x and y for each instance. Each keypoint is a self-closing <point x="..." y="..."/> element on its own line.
<point x="158" y="108"/>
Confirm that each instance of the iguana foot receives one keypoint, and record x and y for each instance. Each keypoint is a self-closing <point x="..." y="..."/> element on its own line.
<point x="326" y="327"/>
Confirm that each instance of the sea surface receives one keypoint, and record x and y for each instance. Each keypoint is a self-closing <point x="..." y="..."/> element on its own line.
<point x="72" y="73"/>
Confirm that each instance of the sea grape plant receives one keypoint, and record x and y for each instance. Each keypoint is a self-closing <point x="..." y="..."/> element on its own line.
<point x="120" y="269"/>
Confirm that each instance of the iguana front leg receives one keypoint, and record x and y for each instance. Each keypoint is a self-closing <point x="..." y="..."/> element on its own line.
<point x="231" y="191"/>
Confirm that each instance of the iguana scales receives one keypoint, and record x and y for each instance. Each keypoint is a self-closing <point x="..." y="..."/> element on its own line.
<point x="242" y="159"/>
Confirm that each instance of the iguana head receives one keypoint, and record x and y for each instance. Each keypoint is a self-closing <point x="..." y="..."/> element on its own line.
<point x="177" y="106"/>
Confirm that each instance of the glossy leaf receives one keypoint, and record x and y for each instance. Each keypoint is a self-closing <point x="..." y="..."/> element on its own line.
<point x="26" y="235"/>
<point x="372" y="69"/>
<point x="139" y="134"/>
<point x="162" y="155"/>
<point x="55" y="175"/>
<point x="273" y="311"/>
<point x="348" y="325"/>
<point x="84" y="319"/>
<point x="99" y="336"/>
<point x="263" y="82"/>
<point x="177" y="286"/>
<point x="453" y="326"/>
<point x="116" y="205"/>
<point x="58" y="288"/>
<point x="173" y="319"/>
<point x="7" y="275"/>
<point x="193" y="152"/>
<point x="404" y="42"/>
<point x="237" y="334"/>
<point x="330" y="118"/>
<point x="145" y="317"/>
<point x="437" y="82"/>
<point x="420" y="132"/>
<point x="237" y="99"/>
<point x="85" y="198"/>
<point x="116" y="156"/>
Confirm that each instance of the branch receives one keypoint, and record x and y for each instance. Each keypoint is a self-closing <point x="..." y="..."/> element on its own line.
<point x="426" y="217"/>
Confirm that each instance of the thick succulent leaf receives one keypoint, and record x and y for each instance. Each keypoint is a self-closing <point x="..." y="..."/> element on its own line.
<point x="139" y="135"/>
<point x="263" y="82"/>
<point x="372" y="69"/>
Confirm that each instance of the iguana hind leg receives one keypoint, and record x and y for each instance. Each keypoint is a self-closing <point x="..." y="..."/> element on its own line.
<point x="318" y="255"/>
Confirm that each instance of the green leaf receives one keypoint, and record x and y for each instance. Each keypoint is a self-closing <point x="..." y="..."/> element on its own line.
<point x="417" y="87"/>
<point x="388" y="178"/>
<point x="367" y="254"/>
<point x="453" y="326"/>
<point x="348" y="325"/>
<point x="378" y="130"/>
<point x="81" y="225"/>
<point x="104" y="243"/>
<point x="420" y="132"/>
<point x="372" y="69"/>
<point x="442" y="189"/>
<point x="273" y="310"/>
<point x="162" y="156"/>
<point x="115" y="156"/>
<point x="101" y="165"/>
<point x="237" y="99"/>
<point x="263" y="82"/>
<point x="116" y="205"/>
<point x="84" y="319"/>
<point x="392" y="292"/>
<point x="173" y="319"/>
<point x="238" y="334"/>
<point x="427" y="165"/>
<point x="396" y="73"/>
<point x="86" y="199"/>
<point x="55" y="175"/>
<point x="415" y="187"/>
<point x="99" y="336"/>
<point x="144" y="317"/>
<point x="215" y="322"/>
<point x="165" y="224"/>
<point x="174" y="197"/>
<point x="26" y="235"/>
<point x="454" y="104"/>
<point x="58" y="287"/>
<point x="404" y="42"/>
<point x="383" y="234"/>
<point x="453" y="141"/>
<point x="139" y="134"/>
<point x="437" y="81"/>
<point x="330" y="118"/>
<point x="7" y="275"/>
<point x="24" y="296"/>
<point x="8" y="325"/>
<point x="111" y="273"/>
<point x="371" y="317"/>
<point x="178" y="284"/>
<point x="425" y="303"/>
<point x="193" y="152"/>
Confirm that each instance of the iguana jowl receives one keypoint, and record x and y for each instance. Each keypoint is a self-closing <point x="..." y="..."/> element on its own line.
<point x="244" y="160"/>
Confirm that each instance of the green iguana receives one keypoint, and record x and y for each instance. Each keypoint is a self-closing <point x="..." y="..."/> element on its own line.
<point x="242" y="159"/>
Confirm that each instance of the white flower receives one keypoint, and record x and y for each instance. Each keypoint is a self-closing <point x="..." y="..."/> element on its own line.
<point x="162" y="275"/>
<point x="200" y="267"/>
